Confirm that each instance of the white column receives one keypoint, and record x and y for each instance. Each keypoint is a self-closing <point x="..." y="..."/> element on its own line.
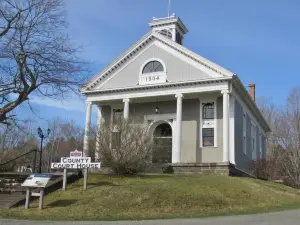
<point x="99" y="121"/>
<point x="126" y="108"/>
<point x="176" y="156"/>
<point x="231" y="129"/>
<point x="225" y="125"/>
<point x="87" y="128"/>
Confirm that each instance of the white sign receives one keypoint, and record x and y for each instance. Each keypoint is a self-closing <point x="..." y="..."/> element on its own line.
<point x="75" y="161"/>
<point x="76" y="153"/>
<point x="67" y="160"/>
<point x="208" y="123"/>
<point x="37" y="180"/>
<point x="75" y="165"/>
<point x="152" y="79"/>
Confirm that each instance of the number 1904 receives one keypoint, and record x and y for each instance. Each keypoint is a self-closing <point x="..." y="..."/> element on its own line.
<point x="152" y="78"/>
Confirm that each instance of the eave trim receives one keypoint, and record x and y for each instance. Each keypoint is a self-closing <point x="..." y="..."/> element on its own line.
<point x="239" y="87"/>
<point x="157" y="86"/>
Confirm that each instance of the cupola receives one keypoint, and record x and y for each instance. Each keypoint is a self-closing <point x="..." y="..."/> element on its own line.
<point x="170" y="27"/>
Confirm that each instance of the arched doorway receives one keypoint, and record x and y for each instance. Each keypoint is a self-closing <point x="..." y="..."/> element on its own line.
<point x="162" y="140"/>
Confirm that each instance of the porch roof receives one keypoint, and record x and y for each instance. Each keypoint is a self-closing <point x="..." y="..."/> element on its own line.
<point x="157" y="86"/>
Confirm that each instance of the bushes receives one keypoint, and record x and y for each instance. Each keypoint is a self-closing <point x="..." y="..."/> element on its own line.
<point x="267" y="169"/>
<point x="125" y="147"/>
<point x="291" y="182"/>
<point x="260" y="169"/>
<point x="284" y="169"/>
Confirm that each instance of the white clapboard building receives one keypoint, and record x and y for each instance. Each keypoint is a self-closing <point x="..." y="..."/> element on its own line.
<point x="200" y="110"/>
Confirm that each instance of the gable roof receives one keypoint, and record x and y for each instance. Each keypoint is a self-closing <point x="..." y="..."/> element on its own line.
<point x="146" y="39"/>
<point x="123" y="58"/>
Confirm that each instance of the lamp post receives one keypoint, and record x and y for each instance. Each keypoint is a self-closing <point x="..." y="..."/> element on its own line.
<point x="42" y="136"/>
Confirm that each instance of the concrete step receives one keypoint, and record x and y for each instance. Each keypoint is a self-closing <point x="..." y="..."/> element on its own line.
<point x="7" y="199"/>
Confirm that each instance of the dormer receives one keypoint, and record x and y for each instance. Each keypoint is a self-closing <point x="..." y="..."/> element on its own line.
<point x="171" y="27"/>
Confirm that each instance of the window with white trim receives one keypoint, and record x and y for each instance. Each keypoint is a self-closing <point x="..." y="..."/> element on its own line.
<point x="208" y="137"/>
<point x="208" y="110"/>
<point x="116" y="134"/>
<point x="153" y="71"/>
<point x="253" y="139"/>
<point x="208" y="126"/>
<point x="244" y="134"/>
<point x="260" y="145"/>
<point x="152" y="67"/>
<point x="117" y="115"/>
<point x="166" y="33"/>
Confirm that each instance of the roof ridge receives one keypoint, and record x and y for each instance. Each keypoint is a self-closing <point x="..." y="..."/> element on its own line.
<point x="196" y="55"/>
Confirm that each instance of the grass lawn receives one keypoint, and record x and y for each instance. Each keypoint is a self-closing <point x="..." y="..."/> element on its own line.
<point x="160" y="196"/>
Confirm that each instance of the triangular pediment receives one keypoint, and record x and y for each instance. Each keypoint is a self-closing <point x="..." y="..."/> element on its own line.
<point x="180" y="65"/>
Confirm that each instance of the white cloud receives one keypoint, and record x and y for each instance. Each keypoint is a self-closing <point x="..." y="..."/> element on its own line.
<point x="73" y="104"/>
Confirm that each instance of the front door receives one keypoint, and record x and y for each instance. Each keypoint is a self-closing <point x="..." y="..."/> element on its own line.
<point x="162" y="140"/>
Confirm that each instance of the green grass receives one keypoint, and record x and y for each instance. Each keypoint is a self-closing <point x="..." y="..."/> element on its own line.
<point x="160" y="196"/>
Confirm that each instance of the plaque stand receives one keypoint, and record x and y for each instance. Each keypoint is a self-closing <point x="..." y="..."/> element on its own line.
<point x="40" y="194"/>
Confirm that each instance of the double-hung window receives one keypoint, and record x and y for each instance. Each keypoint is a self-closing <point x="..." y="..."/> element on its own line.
<point x="244" y="134"/>
<point x="208" y="136"/>
<point x="253" y="140"/>
<point x="260" y="145"/>
<point x="208" y="124"/>
<point x="117" y="115"/>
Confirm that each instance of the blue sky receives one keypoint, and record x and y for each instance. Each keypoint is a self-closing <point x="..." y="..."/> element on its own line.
<point x="258" y="40"/>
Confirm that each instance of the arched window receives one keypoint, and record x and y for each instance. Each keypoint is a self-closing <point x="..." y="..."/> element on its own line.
<point x="153" y="71"/>
<point x="163" y="130"/>
<point x="208" y="111"/>
<point x="153" y="66"/>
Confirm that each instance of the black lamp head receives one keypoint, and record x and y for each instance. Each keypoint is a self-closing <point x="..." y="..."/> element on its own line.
<point x="40" y="132"/>
<point x="156" y="109"/>
<point x="48" y="131"/>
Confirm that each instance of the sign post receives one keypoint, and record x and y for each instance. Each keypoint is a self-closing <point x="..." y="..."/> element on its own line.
<point x="36" y="181"/>
<point x="85" y="179"/>
<point x="65" y="180"/>
<point x="75" y="161"/>
<point x="27" y="200"/>
<point x="41" y="203"/>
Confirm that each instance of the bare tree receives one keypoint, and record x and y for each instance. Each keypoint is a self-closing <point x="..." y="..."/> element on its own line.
<point x="125" y="147"/>
<point x="271" y="168"/>
<point x="17" y="140"/>
<point x="14" y="136"/>
<point x="9" y="15"/>
<point x="290" y="137"/>
<point x="65" y="136"/>
<point x="37" y="56"/>
<point x="52" y="146"/>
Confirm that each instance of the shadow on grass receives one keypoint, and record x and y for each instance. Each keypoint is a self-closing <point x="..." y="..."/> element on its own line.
<point x="93" y="184"/>
<point x="62" y="203"/>
<point x="76" y="185"/>
<point x="141" y="175"/>
<point x="101" y="183"/>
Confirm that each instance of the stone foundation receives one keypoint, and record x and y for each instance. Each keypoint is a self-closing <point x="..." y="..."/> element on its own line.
<point x="214" y="168"/>
<point x="233" y="171"/>
<point x="221" y="168"/>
